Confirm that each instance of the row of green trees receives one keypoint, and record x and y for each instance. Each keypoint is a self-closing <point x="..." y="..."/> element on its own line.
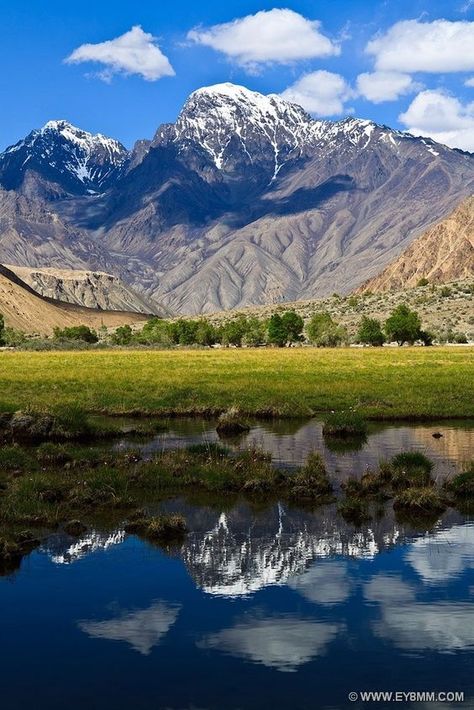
<point x="285" y="328"/>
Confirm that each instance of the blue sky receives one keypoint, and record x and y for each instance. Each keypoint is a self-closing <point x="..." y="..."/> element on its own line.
<point x="418" y="72"/>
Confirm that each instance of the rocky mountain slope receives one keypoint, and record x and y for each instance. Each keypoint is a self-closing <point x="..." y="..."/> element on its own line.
<point x="25" y="310"/>
<point x="244" y="200"/>
<point x="92" y="289"/>
<point x="445" y="252"/>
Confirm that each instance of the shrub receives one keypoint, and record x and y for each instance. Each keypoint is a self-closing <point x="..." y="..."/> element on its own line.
<point x="344" y="424"/>
<point x="370" y="332"/>
<point x="423" y="282"/>
<point x="2" y="330"/>
<point x="462" y="485"/>
<point x="423" y="500"/>
<point x="411" y="469"/>
<point x="403" y="325"/>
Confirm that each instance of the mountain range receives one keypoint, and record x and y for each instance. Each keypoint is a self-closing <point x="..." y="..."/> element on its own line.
<point x="244" y="200"/>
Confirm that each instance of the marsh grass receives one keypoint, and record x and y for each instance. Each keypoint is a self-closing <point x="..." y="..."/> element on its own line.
<point x="345" y="425"/>
<point x="381" y="383"/>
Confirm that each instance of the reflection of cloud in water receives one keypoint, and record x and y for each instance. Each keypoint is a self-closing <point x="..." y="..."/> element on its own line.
<point x="283" y="643"/>
<point x="444" y="554"/>
<point x="142" y="629"/>
<point x="411" y="625"/>
<point x="327" y="583"/>
<point x="440" y="627"/>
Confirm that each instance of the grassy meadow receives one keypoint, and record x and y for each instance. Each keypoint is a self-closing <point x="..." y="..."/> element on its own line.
<point x="380" y="383"/>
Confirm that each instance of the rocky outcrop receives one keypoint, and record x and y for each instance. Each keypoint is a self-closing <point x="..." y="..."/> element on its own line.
<point x="93" y="289"/>
<point x="25" y="310"/>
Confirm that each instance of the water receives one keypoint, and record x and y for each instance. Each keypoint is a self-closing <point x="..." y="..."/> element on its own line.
<point x="275" y="608"/>
<point x="260" y="608"/>
<point x="290" y="442"/>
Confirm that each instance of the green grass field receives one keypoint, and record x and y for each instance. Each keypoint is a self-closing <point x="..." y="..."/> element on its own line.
<point x="380" y="383"/>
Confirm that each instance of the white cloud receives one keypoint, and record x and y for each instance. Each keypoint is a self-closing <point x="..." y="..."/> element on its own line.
<point x="384" y="86"/>
<point x="469" y="82"/>
<point x="322" y="93"/>
<point x="440" y="116"/>
<point x="135" y="52"/>
<point x="273" y="36"/>
<point x="411" y="46"/>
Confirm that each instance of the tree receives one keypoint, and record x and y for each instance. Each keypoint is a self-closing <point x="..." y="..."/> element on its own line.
<point x="205" y="333"/>
<point x="76" y="332"/>
<point x="276" y="330"/>
<point x="324" y="332"/>
<point x="293" y="326"/>
<point x="319" y="323"/>
<point x="123" y="335"/>
<point x="403" y="325"/>
<point x="255" y="333"/>
<point x="370" y="332"/>
<point x="2" y="330"/>
<point x="233" y="332"/>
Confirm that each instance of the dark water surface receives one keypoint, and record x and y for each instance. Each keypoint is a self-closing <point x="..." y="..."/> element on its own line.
<point x="272" y="608"/>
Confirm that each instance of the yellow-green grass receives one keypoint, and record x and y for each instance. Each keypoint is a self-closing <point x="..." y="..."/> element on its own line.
<point x="380" y="383"/>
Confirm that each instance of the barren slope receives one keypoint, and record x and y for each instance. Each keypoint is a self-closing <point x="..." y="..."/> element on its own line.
<point x="23" y="309"/>
<point x="443" y="253"/>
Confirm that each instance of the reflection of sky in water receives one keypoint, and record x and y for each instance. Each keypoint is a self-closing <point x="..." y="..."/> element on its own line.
<point x="290" y="442"/>
<point x="278" y="608"/>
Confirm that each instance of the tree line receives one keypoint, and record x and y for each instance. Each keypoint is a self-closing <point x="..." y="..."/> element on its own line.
<point x="282" y="329"/>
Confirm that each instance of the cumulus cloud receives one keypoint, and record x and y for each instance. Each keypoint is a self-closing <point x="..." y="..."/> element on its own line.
<point x="469" y="82"/>
<point x="384" y="86"/>
<point x="438" y="115"/>
<point x="322" y="93"/>
<point x="273" y="36"/>
<point x="135" y="52"/>
<point x="411" y="46"/>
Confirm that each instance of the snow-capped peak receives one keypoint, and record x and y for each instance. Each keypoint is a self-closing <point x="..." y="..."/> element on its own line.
<point x="231" y="122"/>
<point x="78" y="160"/>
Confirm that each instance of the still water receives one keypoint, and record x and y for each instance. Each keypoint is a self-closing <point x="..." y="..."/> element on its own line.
<point x="275" y="608"/>
<point x="260" y="608"/>
<point x="290" y="441"/>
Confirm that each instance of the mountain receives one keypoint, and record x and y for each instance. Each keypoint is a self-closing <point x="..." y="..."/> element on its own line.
<point x="25" y="310"/>
<point x="65" y="159"/>
<point x="244" y="200"/>
<point x="443" y="253"/>
<point x="92" y="289"/>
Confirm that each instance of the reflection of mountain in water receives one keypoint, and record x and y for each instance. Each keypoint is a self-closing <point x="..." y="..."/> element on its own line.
<point x="242" y="553"/>
<point x="64" y="553"/>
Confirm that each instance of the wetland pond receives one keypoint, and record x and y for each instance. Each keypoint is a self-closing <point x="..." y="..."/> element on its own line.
<point x="264" y="606"/>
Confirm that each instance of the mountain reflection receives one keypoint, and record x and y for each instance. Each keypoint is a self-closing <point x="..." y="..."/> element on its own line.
<point x="284" y="642"/>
